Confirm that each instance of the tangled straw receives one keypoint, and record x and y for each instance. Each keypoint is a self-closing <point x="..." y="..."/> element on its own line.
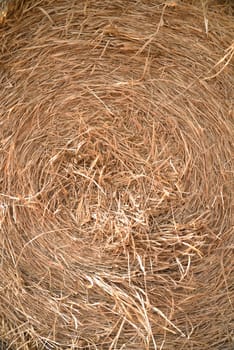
<point x="116" y="130"/>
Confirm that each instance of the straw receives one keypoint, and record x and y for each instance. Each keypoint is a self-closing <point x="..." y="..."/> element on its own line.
<point x="116" y="163"/>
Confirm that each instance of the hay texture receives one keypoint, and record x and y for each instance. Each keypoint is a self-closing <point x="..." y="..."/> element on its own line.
<point x="116" y="176"/>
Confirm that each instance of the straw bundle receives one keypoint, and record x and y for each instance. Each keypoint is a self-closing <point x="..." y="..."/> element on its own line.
<point x="116" y="144"/>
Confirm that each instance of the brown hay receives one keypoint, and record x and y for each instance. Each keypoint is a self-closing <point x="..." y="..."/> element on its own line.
<point x="117" y="176"/>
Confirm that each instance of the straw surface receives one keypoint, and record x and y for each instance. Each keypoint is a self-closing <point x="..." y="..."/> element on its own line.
<point x="116" y="176"/>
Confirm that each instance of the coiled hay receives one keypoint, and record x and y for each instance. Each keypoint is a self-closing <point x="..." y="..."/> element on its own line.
<point x="117" y="176"/>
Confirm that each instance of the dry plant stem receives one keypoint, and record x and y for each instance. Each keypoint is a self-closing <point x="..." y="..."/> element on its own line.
<point x="116" y="181"/>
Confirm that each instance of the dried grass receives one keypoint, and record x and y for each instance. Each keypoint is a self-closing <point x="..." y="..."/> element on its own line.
<point x="116" y="130"/>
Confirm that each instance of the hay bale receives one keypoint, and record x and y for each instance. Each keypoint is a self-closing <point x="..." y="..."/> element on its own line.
<point x="117" y="176"/>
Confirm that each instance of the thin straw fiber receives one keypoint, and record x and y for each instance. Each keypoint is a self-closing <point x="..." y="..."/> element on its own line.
<point x="116" y="175"/>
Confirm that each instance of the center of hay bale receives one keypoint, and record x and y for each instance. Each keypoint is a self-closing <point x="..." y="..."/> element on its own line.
<point x="116" y="143"/>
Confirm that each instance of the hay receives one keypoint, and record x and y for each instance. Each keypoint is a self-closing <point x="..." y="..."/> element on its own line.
<point x="117" y="176"/>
